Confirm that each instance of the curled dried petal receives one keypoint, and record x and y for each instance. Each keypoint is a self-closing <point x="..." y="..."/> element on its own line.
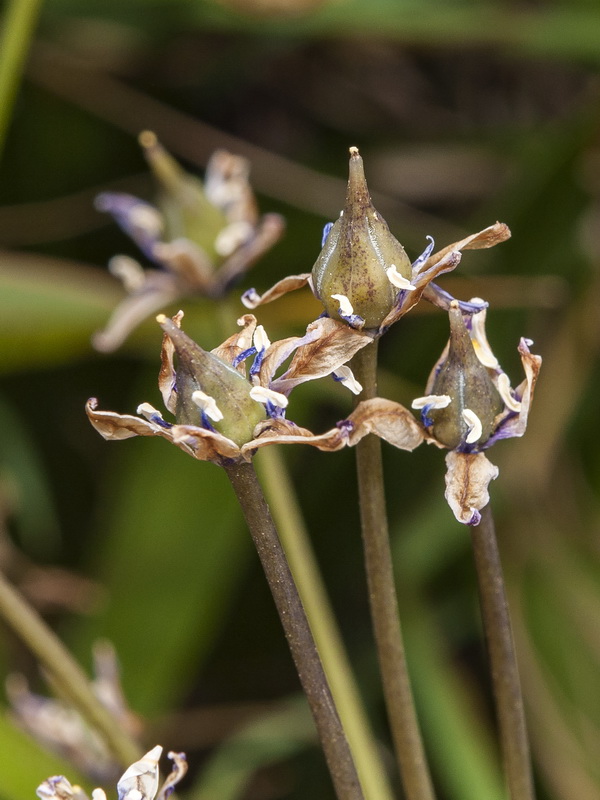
<point x="251" y="299"/>
<point x="140" y="780"/>
<point x="468" y="476"/>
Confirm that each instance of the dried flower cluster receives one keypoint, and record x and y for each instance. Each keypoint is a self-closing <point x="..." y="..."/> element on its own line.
<point x="230" y="402"/>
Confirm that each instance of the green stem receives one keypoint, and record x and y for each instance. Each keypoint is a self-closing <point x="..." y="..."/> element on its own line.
<point x="503" y="659"/>
<point x="18" y="25"/>
<point x="402" y="715"/>
<point x="296" y="543"/>
<point x="297" y="630"/>
<point x="66" y="674"/>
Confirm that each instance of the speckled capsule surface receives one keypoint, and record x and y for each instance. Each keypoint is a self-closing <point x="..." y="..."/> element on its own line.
<point x="474" y="399"/>
<point x="357" y="254"/>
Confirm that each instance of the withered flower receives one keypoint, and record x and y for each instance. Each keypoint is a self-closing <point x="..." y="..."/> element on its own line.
<point x="469" y="404"/>
<point x="223" y="414"/>
<point x="363" y="276"/>
<point x="59" y="727"/>
<point x="138" y="782"/>
<point x="203" y="238"/>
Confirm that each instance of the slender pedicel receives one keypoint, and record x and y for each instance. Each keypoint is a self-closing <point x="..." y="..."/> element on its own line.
<point x="503" y="659"/>
<point x="401" y="711"/>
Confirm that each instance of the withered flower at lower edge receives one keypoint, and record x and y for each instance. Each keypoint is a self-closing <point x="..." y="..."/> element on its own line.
<point x="223" y="414"/>
<point x="60" y="728"/>
<point x="138" y="782"/>
<point x="469" y="405"/>
<point x="203" y="238"/>
<point x="363" y="276"/>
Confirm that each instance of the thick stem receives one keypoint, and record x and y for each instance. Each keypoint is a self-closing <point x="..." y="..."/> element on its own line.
<point x="281" y="497"/>
<point x="399" y="701"/>
<point x="297" y="630"/>
<point x="66" y="673"/>
<point x="503" y="660"/>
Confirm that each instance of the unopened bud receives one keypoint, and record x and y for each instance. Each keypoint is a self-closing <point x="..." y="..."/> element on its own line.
<point x="357" y="254"/>
<point x="204" y="382"/>
<point x="468" y="419"/>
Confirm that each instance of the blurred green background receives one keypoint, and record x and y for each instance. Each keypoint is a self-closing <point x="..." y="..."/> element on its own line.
<point x="465" y="112"/>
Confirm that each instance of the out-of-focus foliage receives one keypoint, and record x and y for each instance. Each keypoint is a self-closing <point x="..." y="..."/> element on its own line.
<point x="464" y="113"/>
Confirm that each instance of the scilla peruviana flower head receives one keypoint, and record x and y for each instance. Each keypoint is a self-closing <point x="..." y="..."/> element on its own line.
<point x="140" y="781"/>
<point x="469" y="405"/>
<point x="224" y="412"/>
<point x="202" y="237"/>
<point x="363" y="275"/>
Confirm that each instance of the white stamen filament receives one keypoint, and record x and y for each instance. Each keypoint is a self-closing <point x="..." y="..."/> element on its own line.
<point x="148" y="411"/>
<point x="147" y="219"/>
<point x="475" y="427"/>
<point x="260" y="340"/>
<point x="128" y="271"/>
<point x="233" y="236"/>
<point x="506" y="394"/>
<point x="208" y="404"/>
<point x="346" y="309"/>
<point x="397" y="280"/>
<point x="263" y="395"/>
<point x="346" y="378"/>
<point x="432" y="400"/>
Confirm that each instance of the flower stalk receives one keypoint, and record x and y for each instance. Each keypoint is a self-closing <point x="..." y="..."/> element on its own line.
<point x="297" y="630"/>
<point x="503" y="661"/>
<point x="383" y="600"/>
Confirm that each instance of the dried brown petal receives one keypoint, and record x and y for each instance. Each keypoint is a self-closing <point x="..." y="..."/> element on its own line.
<point x="203" y="444"/>
<point x="467" y="479"/>
<point x="488" y="237"/>
<point x="238" y="343"/>
<point x="166" y="374"/>
<point x="510" y="424"/>
<point x="119" y="426"/>
<point x="388" y="420"/>
<point x="251" y="299"/>
<point x="332" y="344"/>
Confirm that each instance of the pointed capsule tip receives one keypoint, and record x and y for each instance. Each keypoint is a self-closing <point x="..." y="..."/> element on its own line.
<point x="147" y="139"/>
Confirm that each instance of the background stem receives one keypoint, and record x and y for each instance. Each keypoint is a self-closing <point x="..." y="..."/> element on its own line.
<point x="66" y="673"/>
<point x="383" y="600"/>
<point x="297" y="631"/>
<point x="18" y="23"/>
<point x="503" y="659"/>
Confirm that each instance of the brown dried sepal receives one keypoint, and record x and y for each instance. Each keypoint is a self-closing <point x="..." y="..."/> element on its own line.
<point x="468" y="476"/>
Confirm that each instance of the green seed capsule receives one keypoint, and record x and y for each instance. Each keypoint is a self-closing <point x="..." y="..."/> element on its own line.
<point x="206" y="383"/>
<point x="474" y="400"/>
<point x="356" y="256"/>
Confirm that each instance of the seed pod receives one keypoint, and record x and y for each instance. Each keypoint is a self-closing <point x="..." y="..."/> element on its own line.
<point x="210" y="393"/>
<point x="356" y="256"/>
<point x="467" y="421"/>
